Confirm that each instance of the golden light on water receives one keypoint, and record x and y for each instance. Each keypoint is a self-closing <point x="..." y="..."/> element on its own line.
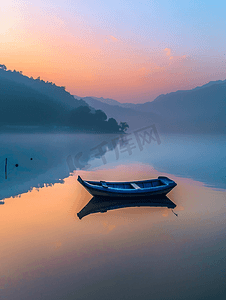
<point x="42" y="237"/>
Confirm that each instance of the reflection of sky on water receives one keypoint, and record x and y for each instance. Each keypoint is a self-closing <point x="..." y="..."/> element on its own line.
<point x="131" y="253"/>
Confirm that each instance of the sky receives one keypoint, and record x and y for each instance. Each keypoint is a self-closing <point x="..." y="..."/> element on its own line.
<point x="130" y="51"/>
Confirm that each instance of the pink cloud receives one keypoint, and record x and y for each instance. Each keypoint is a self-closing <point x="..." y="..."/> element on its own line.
<point x="168" y="51"/>
<point x="111" y="38"/>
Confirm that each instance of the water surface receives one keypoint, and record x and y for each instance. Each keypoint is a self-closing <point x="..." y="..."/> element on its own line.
<point x="130" y="253"/>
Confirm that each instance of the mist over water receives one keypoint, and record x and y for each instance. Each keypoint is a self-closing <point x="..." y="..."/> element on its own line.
<point x="130" y="253"/>
<point x="49" y="158"/>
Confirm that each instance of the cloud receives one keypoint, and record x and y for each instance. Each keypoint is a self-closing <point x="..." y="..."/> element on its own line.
<point x="159" y="69"/>
<point x="111" y="38"/>
<point x="178" y="57"/>
<point x="151" y="70"/>
<point x="143" y="70"/>
<point x="168" y="51"/>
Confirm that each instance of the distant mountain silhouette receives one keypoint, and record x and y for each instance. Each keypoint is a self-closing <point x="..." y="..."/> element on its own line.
<point x="134" y="118"/>
<point x="26" y="102"/>
<point x="210" y="84"/>
<point x="199" y="110"/>
<point x="202" y="109"/>
<point x="107" y="101"/>
<point x="103" y="100"/>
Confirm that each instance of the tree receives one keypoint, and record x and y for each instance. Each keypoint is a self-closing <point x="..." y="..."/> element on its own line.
<point x="100" y="115"/>
<point x="112" y="125"/>
<point x="85" y="119"/>
<point x="3" y="67"/>
<point x="80" y="117"/>
<point x="123" y="126"/>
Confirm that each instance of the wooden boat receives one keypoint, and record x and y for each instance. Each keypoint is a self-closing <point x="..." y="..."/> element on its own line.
<point x="145" y="188"/>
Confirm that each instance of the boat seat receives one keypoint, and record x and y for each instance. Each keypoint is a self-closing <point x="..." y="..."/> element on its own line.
<point x="103" y="183"/>
<point x="134" y="185"/>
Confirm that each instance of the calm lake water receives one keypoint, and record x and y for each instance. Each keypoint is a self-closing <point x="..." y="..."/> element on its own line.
<point x="47" y="252"/>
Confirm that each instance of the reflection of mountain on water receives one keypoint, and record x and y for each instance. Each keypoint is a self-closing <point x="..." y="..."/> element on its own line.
<point x="103" y="204"/>
<point x="54" y="157"/>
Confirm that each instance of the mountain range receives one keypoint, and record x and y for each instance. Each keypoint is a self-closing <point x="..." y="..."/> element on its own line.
<point x="27" y="101"/>
<point x="199" y="110"/>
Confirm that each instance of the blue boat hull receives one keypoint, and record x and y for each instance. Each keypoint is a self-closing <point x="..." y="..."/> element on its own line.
<point x="126" y="189"/>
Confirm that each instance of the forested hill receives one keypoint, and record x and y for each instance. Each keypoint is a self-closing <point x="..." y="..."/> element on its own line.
<point x="22" y="105"/>
<point x="28" y="102"/>
<point x="58" y="93"/>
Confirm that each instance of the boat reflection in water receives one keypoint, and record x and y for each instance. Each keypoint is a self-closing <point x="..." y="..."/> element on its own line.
<point x="103" y="204"/>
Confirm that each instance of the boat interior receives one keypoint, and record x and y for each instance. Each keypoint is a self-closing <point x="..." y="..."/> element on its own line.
<point x="129" y="185"/>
